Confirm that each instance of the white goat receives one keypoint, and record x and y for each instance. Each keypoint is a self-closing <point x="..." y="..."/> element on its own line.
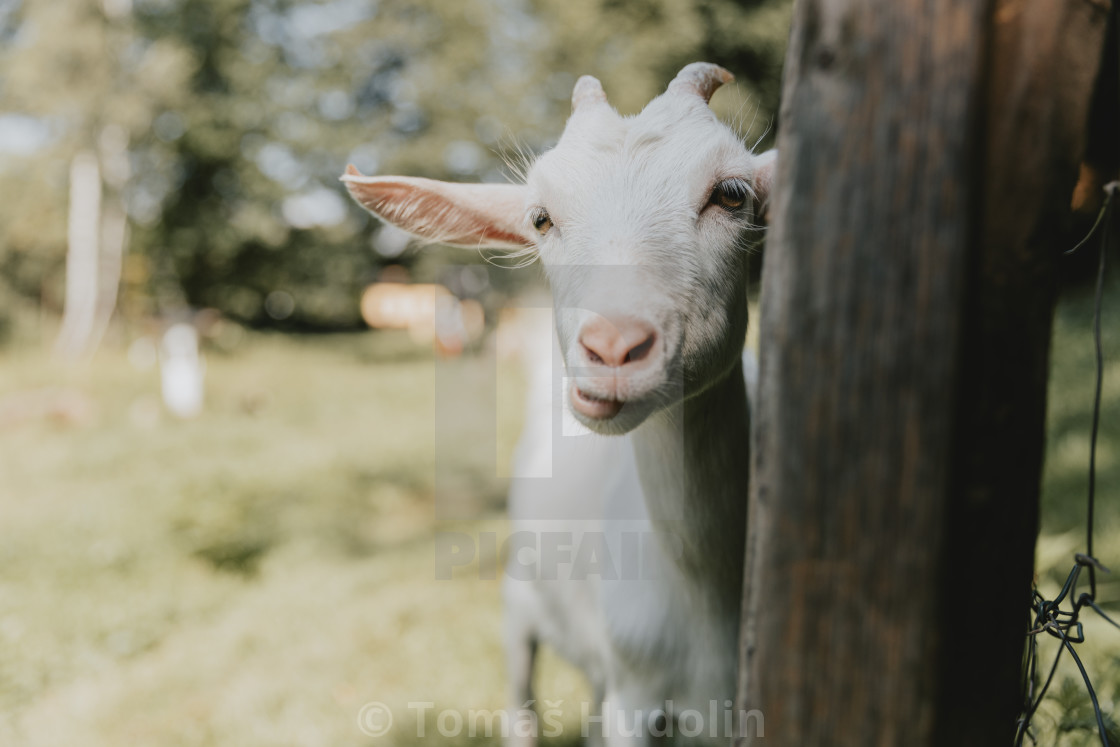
<point x="642" y="225"/>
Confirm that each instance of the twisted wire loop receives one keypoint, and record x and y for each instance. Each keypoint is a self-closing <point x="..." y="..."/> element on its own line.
<point x="1047" y="615"/>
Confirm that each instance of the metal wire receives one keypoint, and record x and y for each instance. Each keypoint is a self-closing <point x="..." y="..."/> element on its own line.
<point x="1047" y="615"/>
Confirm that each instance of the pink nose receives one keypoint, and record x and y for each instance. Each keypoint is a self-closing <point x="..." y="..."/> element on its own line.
<point x="618" y="342"/>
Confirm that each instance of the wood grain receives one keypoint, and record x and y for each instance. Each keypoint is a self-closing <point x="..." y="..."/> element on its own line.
<point x="927" y="154"/>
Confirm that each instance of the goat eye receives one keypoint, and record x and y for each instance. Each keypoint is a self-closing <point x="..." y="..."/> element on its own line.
<point x="541" y="221"/>
<point x="730" y="194"/>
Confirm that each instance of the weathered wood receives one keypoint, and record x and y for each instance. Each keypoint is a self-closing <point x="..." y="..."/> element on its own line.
<point x="928" y="152"/>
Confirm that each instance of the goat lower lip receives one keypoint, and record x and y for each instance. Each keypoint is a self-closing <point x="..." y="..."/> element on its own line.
<point x="594" y="407"/>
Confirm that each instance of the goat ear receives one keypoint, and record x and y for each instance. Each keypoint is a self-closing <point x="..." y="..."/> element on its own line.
<point x="465" y="215"/>
<point x="766" y="165"/>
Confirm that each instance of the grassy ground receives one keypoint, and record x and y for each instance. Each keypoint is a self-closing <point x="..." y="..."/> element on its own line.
<point x="258" y="575"/>
<point x="252" y="577"/>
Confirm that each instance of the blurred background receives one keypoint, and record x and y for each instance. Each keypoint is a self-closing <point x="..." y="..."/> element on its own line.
<point x="218" y="376"/>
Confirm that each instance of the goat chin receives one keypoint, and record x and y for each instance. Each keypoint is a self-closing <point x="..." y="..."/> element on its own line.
<point x="612" y="417"/>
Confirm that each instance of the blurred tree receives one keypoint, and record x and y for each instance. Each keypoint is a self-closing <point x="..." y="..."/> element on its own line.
<point x="237" y="116"/>
<point x="75" y="89"/>
<point x="636" y="47"/>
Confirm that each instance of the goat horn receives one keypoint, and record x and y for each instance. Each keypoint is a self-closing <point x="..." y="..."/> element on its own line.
<point x="700" y="79"/>
<point x="588" y="90"/>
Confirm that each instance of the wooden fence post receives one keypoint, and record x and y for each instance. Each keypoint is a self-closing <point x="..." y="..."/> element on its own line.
<point x="928" y="151"/>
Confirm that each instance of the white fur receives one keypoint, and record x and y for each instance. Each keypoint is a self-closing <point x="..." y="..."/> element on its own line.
<point x="633" y="235"/>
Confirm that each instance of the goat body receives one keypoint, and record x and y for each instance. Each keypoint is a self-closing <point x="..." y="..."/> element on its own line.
<point x="642" y="225"/>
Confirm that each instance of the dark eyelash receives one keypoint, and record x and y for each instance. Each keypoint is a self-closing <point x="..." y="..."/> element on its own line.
<point x="730" y="194"/>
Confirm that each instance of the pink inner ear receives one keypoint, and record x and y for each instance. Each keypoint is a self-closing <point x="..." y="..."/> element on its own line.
<point x="468" y="215"/>
<point x="436" y="217"/>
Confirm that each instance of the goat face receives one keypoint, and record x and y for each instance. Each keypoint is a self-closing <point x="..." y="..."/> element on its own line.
<point x="641" y="224"/>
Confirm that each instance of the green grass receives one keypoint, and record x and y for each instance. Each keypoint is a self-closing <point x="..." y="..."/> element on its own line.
<point x="257" y="575"/>
<point x="252" y="577"/>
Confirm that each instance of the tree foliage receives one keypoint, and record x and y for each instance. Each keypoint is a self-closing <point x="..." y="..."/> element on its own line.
<point x="237" y="116"/>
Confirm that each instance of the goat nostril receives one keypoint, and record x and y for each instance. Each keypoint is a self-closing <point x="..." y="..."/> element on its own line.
<point x="592" y="355"/>
<point x="641" y="350"/>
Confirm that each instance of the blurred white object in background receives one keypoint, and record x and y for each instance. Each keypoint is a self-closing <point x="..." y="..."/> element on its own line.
<point x="181" y="370"/>
<point x="82" y="254"/>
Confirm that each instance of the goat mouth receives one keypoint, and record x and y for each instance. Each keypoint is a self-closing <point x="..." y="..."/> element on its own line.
<point x="596" y="408"/>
